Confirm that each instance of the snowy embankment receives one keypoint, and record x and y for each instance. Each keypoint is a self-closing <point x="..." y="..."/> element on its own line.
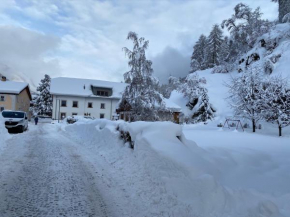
<point x="4" y="135"/>
<point x="167" y="174"/>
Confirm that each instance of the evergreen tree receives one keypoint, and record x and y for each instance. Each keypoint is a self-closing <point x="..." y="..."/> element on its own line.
<point x="198" y="100"/>
<point x="204" y="111"/>
<point x="225" y="50"/>
<point x="141" y="95"/>
<point x="284" y="9"/>
<point x="198" y="58"/>
<point x="214" y="47"/>
<point x="43" y="102"/>
<point x="245" y="26"/>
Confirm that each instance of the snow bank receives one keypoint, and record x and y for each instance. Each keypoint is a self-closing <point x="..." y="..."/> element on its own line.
<point x="167" y="174"/>
<point x="4" y="135"/>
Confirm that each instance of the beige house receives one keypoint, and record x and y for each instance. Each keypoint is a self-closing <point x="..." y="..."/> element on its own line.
<point x="14" y="96"/>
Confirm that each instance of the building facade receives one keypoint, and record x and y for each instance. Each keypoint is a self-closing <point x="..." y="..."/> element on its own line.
<point x="84" y="97"/>
<point x="64" y="106"/>
<point x="14" y="96"/>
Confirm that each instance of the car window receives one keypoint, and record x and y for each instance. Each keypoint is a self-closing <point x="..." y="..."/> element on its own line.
<point x="7" y="114"/>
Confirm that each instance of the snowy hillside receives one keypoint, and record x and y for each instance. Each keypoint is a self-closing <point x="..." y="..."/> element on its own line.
<point x="273" y="49"/>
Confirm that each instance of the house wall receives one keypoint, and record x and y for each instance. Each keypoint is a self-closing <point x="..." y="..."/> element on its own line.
<point x="110" y="106"/>
<point x="23" y="102"/>
<point x="9" y="103"/>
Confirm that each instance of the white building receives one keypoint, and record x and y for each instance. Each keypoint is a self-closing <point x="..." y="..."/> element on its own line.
<point x="94" y="98"/>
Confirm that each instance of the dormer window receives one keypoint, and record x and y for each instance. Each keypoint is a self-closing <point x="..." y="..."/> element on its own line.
<point x="102" y="91"/>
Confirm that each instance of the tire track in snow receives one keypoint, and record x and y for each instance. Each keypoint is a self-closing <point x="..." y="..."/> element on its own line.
<point x="43" y="175"/>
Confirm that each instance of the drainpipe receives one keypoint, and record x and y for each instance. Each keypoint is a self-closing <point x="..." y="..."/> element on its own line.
<point x="55" y="107"/>
<point x="111" y="108"/>
<point x="58" y="109"/>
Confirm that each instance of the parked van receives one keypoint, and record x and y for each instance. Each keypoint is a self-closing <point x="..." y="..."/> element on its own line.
<point x="15" y="120"/>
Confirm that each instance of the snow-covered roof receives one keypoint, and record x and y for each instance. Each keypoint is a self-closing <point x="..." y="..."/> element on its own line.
<point x="169" y="104"/>
<point x="179" y="100"/>
<point x="82" y="87"/>
<point x="12" y="87"/>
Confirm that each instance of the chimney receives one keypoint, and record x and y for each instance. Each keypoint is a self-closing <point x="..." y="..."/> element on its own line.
<point x="3" y="78"/>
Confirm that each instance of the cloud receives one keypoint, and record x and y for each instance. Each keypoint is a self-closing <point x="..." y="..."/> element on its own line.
<point x="170" y="63"/>
<point x="92" y="33"/>
<point x="26" y="55"/>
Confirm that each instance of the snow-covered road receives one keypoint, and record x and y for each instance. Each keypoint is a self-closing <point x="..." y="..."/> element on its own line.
<point x="43" y="174"/>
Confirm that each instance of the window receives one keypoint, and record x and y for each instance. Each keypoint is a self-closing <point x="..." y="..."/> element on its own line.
<point x="12" y="114"/>
<point x="74" y="114"/>
<point x="102" y="116"/>
<point x="2" y="109"/>
<point x="75" y="104"/>
<point x="102" y="93"/>
<point x="90" y="105"/>
<point x="2" y="98"/>
<point x="63" y="103"/>
<point x="62" y="115"/>
<point x="102" y="105"/>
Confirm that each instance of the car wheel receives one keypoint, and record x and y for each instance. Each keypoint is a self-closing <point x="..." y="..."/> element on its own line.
<point x="21" y="130"/>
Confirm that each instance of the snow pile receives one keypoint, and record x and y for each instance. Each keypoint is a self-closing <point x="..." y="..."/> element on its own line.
<point x="167" y="174"/>
<point x="3" y="131"/>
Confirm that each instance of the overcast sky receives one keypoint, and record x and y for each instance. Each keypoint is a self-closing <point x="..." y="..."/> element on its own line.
<point x="84" y="38"/>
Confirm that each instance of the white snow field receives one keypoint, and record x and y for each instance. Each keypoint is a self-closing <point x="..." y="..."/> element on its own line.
<point x="225" y="173"/>
<point x="85" y="169"/>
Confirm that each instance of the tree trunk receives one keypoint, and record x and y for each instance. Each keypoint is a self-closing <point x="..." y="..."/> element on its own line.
<point x="254" y="126"/>
<point x="280" y="130"/>
<point x="284" y="8"/>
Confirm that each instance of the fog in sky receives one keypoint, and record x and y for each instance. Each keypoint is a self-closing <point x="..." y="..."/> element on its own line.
<point x="85" y="38"/>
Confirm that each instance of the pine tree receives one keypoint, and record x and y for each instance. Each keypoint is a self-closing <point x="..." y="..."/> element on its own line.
<point x="198" y="100"/>
<point x="43" y="102"/>
<point x="245" y="26"/>
<point x="141" y="95"/>
<point x="198" y="58"/>
<point x="225" y="50"/>
<point x="204" y="111"/>
<point x="284" y="9"/>
<point x="214" y="46"/>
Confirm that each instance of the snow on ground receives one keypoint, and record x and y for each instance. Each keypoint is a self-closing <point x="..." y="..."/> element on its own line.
<point x="174" y="170"/>
<point x="224" y="173"/>
<point x="43" y="174"/>
<point x="3" y="132"/>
